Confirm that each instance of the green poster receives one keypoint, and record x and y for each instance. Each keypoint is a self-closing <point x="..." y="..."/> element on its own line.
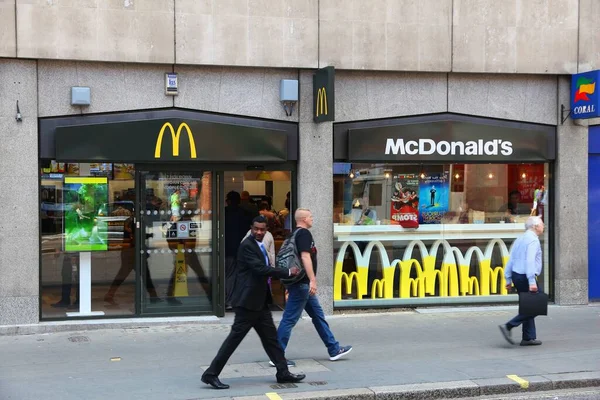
<point x="85" y="230"/>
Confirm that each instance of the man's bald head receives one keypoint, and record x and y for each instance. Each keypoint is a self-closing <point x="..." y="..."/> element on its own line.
<point x="303" y="218"/>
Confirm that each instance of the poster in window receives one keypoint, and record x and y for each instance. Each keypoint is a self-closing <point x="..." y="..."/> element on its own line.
<point x="405" y="201"/>
<point x="124" y="171"/>
<point x="85" y="229"/>
<point x="434" y="190"/>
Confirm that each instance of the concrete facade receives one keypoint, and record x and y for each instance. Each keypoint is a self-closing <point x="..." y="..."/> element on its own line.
<point x="512" y="36"/>
<point x="19" y="229"/>
<point x="394" y="58"/>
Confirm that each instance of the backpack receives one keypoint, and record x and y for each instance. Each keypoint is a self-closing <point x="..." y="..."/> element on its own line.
<point x="288" y="257"/>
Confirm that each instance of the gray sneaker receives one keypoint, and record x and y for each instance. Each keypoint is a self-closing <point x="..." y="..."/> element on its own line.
<point x="532" y="342"/>
<point x="290" y="363"/>
<point x="506" y="334"/>
<point x="341" y="353"/>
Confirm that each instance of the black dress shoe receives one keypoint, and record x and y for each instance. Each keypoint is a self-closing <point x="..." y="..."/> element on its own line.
<point x="288" y="377"/>
<point x="214" y="382"/>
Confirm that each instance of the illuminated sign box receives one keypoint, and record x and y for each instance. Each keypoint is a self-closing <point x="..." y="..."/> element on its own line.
<point x="584" y="95"/>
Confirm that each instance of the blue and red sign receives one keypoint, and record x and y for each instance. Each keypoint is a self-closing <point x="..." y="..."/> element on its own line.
<point x="584" y="95"/>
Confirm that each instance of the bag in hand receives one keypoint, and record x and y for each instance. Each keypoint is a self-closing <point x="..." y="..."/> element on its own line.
<point x="533" y="304"/>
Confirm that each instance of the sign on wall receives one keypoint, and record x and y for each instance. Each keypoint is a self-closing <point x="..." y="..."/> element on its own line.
<point x="324" y="95"/>
<point x="450" y="141"/>
<point x="585" y="100"/>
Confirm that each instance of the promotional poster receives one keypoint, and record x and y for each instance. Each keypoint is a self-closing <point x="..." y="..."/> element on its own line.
<point x="85" y="230"/>
<point x="434" y="193"/>
<point x="405" y="201"/>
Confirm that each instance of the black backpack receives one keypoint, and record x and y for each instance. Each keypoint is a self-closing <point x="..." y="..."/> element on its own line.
<point x="288" y="257"/>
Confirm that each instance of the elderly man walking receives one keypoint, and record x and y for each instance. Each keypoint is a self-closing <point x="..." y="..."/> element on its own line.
<point x="524" y="265"/>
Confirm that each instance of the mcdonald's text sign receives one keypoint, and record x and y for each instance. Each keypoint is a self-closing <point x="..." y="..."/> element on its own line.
<point x="324" y="95"/>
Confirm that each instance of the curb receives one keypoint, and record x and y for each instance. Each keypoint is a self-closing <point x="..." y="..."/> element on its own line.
<point x="447" y="390"/>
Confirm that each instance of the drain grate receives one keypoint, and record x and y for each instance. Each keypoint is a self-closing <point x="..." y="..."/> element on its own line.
<point x="317" y="383"/>
<point x="284" y="386"/>
<point x="79" y="339"/>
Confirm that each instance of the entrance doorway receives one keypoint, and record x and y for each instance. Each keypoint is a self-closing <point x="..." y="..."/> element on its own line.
<point x="191" y="221"/>
<point x="260" y="192"/>
<point x="176" y="236"/>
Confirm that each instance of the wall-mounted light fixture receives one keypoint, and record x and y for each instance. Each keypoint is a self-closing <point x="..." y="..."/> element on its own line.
<point x="80" y="96"/>
<point x="288" y="95"/>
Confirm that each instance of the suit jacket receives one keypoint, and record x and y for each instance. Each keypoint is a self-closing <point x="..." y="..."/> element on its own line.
<point x="269" y="243"/>
<point x="251" y="287"/>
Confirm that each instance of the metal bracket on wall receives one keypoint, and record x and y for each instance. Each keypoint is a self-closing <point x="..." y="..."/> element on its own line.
<point x="562" y="114"/>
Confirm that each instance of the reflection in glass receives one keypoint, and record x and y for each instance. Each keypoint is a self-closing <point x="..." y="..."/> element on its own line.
<point x="177" y="241"/>
<point x="113" y="283"/>
<point x="432" y="231"/>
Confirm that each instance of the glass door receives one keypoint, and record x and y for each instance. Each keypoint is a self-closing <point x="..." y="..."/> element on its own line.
<point x="176" y="235"/>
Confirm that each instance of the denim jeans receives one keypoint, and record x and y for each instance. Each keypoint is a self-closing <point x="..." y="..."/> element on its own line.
<point x="299" y="299"/>
<point x="522" y="284"/>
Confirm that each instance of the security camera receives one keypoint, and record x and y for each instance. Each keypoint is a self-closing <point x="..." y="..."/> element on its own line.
<point x="18" y="117"/>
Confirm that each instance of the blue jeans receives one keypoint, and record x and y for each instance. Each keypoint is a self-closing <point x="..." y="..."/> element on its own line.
<point x="299" y="299"/>
<point x="522" y="284"/>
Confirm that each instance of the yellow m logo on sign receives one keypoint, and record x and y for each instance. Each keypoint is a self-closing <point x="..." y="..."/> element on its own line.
<point x="321" y="102"/>
<point x="175" y="137"/>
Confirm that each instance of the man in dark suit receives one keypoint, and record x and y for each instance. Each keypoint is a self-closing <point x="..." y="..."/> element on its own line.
<point x="250" y="300"/>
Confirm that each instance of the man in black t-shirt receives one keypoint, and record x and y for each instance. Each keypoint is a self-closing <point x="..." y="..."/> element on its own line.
<point x="303" y="294"/>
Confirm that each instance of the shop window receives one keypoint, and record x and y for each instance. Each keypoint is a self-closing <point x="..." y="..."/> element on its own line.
<point x="433" y="231"/>
<point x="110" y="209"/>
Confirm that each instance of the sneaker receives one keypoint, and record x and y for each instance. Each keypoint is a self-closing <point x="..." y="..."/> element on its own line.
<point x="506" y="333"/>
<point x="341" y="353"/>
<point x="532" y="342"/>
<point x="290" y="363"/>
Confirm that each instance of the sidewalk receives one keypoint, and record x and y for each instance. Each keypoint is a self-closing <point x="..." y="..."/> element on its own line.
<point x="431" y="353"/>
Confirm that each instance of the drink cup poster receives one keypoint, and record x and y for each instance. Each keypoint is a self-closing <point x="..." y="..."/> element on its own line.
<point x="434" y="193"/>
<point x="405" y="201"/>
<point x="85" y="229"/>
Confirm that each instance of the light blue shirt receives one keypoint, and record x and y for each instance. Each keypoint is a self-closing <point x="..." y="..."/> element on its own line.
<point x="525" y="258"/>
<point x="264" y="251"/>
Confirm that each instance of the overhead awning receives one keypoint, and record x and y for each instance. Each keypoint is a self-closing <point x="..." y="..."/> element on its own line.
<point x="175" y="136"/>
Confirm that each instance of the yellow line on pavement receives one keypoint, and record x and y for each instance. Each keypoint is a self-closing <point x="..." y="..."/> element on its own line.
<point x="524" y="384"/>
<point x="273" y="396"/>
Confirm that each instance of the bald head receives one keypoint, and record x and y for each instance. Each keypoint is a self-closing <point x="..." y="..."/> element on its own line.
<point x="303" y="218"/>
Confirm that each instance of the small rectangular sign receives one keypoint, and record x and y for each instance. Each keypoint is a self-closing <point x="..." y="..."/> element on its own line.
<point x="324" y="95"/>
<point x="171" y="87"/>
<point x="585" y="100"/>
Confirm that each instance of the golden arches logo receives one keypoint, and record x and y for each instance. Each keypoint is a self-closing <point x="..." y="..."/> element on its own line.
<point x="321" y="102"/>
<point x="420" y="278"/>
<point x="175" y="137"/>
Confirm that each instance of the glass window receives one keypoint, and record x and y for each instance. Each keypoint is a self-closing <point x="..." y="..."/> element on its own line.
<point x="113" y="277"/>
<point x="438" y="231"/>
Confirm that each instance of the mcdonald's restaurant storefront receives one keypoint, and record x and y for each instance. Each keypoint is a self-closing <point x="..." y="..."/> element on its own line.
<point x="426" y="208"/>
<point x="141" y="212"/>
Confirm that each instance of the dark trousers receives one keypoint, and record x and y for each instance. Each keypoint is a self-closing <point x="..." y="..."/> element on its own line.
<point x="230" y="277"/>
<point x="522" y="284"/>
<point x="262" y="322"/>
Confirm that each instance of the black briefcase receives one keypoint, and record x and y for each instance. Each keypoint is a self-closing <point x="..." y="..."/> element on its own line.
<point x="533" y="304"/>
